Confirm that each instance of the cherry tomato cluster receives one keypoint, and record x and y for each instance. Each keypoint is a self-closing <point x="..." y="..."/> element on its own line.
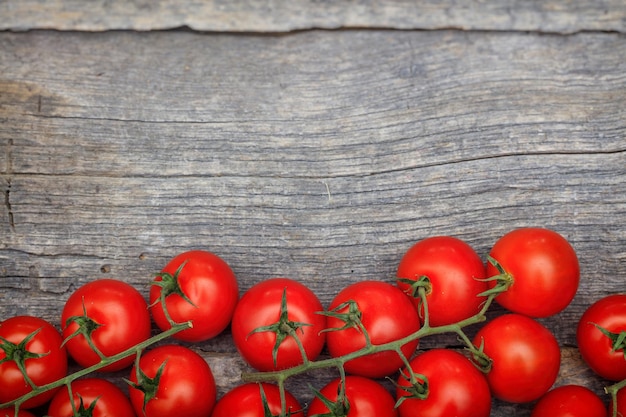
<point x="369" y="331"/>
<point x="105" y="326"/>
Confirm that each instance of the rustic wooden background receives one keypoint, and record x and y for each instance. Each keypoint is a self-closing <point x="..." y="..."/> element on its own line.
<point x="311" y="139"/>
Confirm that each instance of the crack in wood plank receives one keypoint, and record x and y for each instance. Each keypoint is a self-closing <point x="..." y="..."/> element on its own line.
<point x="7" y="191"/>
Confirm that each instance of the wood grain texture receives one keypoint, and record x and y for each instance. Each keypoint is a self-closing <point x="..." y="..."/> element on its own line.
<point x="291" y="15"/>
<point x="320" y="155"/>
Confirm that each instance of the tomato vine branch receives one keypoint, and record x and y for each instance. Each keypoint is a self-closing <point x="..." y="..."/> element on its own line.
<point x="135" y="350"/>
<point x="369" y="348"/>
<point x="612" y="390"/>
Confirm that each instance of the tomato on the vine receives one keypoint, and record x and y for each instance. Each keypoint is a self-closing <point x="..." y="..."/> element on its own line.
<point x="247" y="401"/>
<point x="113" y="314"/>
<point x="359" y="397"/>
<point x="453" y="275"/>
<point x="269" y="317"/>
<point x="200" y="287"/>
<point x="525" y="357"/>
<point x="172" y="380"/>
<point x="598" y="337"/>
<point x="386" y="314"/>
<point x="453" y="386"/>
<point x="544" y="268"/>
<point x="569" y="401"/>
<point x="37" y="345"/>
<point x="109" y="400"/>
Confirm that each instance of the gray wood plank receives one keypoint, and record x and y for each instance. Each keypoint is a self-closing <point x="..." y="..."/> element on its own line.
<point x="284" y="16"/>
<point x="317" y="155"/>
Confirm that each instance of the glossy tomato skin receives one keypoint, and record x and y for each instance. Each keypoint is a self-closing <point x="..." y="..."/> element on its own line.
<point x="456" y="274"/>
<point x="261" y="306"/>
<point x="111" y="401"/>
<point x="10" y="412"/>
<point x="456" y="388"/>
<point x="245" y="401"/>
<point x="119" y="309"/>
<point x="186" y="387"/>
<point x="525" y="354"/>
<point x="545" y="271"/>
<point x="596" y="348"/>
<point x="41" y="371"/>
<point x="570" y="401"/>
<point x="366" y="398"/>
<point x="211" y="285"/>
<point x="387" y="314"/>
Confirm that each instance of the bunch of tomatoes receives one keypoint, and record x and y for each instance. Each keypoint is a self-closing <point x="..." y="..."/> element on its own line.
<point x="369" y="331"/>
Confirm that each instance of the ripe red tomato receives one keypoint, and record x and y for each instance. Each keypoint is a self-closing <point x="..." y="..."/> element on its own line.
<point x="569" y="401"/>
<point x="261" y="306"/>
<point x="387" y="314"/>
<point x="365" y="398"/>
<point x="120" y="316"/>
<point x="455" y="387"/>
<point x="23" y="334"/>
<point x="246" y="401"/>
<point x="525" y="357"/>
<point x="211" y="286"/>
<point x="455" y="274"/>
<point x="110" y="400"/>
<point x="10" y="412"/>
<point x="544" y="267"/>
<point x="186" y="386"/>
<point x="596" y="348"/>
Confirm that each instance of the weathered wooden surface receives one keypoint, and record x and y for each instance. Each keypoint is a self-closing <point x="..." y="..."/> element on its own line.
<point x="316" y="155"/>
<point x="560" y="16"/>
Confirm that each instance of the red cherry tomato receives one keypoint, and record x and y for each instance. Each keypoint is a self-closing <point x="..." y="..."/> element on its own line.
<point x="246" y="401"/>
<point x="526" y="357"/>
<point x="44" y="340"/>
<point x="455" y="274"/>
<point x="186" y="386"/>
<point x="364" y="398"/>
<point x="387" y="315"/>
<point x="455" y="387"/>
<point x="261" y="306"/>
<point x="211" y="286"/>
<point x="110" y="400"/>
<point x="545" y="271"/>
<point x="569" y="401"/>
<point x="120" y="315"/>
<point x="597" y="348"/>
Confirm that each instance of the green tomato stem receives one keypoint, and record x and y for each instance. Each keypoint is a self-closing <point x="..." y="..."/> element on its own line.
<point x="369" y="348"/>
<point x="612" y="390"/>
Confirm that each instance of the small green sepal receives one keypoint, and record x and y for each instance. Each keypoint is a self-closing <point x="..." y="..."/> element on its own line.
<point x="283" y="328"/>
